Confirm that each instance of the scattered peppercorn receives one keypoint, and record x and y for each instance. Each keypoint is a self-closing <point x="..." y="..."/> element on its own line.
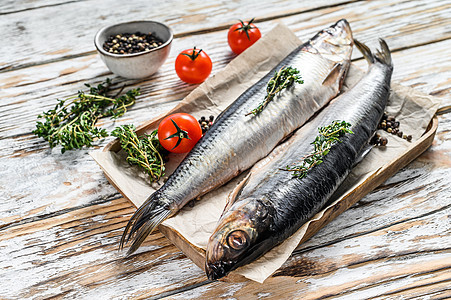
<point x="129" y="43"/>
<point x="204" y="124"/>
<point x="377" y="140"/>
<point x="389" y="124"/>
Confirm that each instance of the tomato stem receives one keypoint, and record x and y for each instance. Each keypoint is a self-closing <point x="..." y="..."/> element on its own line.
<point x="181" y="134"/>
<point x="193" y="55"/>
<point x="246" y="28"/>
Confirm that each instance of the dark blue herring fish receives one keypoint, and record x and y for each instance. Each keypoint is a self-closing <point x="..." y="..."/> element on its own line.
<point x="271" y="204"/>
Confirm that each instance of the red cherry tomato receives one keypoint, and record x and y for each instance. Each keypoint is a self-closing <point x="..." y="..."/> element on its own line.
<point x="193" y="65"/>
<point x="179" y="132"/>
<point x="242" y="35"/>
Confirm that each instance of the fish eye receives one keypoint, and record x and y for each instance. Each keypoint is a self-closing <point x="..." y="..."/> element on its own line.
<point x="237" y="239"/>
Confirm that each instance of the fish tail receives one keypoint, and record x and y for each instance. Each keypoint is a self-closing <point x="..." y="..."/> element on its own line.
<point x="382" y="56"/>
<point x="149" y="215"/>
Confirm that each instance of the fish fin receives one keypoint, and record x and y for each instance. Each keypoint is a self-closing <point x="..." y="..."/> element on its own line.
<point x="365" y="151"/>
<point x="148" y="216"/>
<point x="333" y="75"/>
<point x="233" y="195"/>
<point x="366" y="52"/>
<point x="384" y="55"/>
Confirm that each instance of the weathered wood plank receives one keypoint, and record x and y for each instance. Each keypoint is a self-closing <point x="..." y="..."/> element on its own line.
<point x="75" y="253"/>
<point x="27" y="92"/>
<point x="11" y="6"/>
<point x="78" y="251"/>
<point x="393" y="19"/>
<point x="63" y="220"/>
<point x="75" y="37"/>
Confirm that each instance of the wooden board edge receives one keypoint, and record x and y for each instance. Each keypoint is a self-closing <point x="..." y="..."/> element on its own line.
<point x="196" y="254"/>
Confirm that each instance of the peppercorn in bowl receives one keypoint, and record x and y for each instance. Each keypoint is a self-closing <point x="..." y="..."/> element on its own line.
<point x="134" y="49"/>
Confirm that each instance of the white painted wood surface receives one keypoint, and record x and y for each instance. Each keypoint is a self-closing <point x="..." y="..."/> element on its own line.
<point x="61" y="221"/>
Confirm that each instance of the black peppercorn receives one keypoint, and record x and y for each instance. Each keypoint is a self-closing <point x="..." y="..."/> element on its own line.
<point x="127" y="43"/>
<point x="204" y="124"/>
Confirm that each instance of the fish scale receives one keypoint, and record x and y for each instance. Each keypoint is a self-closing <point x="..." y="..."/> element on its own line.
<point x="235" y="141"/>
<point x="277" y="203"/>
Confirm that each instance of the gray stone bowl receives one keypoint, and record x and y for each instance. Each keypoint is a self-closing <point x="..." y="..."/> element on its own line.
<point x="137" y="65"/>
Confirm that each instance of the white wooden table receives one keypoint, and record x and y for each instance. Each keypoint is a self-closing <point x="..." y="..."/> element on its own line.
<point x="61" y="220"/>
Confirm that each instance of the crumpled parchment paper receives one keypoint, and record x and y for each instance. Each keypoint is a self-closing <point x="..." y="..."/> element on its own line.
<point x="413" y="109"/>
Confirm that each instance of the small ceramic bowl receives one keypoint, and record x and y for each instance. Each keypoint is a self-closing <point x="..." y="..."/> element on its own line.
<point x="136" y="65"/>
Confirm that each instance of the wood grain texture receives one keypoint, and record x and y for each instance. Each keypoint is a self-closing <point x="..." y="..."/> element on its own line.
<point x="82" y="19"/>
<point x="74" y="38"/>
<point x="388" y="241"/>
<point x="61" y="221"/>
<point x="11" y="6"/>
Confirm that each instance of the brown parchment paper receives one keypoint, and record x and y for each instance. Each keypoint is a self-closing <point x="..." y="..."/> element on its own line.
<point x="413" y="109"/>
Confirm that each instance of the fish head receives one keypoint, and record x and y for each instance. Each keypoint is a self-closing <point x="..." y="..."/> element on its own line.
<point x="237" y="237"/>
<point x="335" y="44"/>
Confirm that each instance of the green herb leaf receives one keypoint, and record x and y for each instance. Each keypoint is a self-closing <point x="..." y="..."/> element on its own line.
<point x="144" y="151"/>
<point x="282" y="79"/>
<point x="71" y="123"/>
<point x="328" y="136"/>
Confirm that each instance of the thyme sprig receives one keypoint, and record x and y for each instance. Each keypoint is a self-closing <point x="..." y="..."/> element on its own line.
<point x="328" y="136"/>
<point x="144" y="151"/>
<point x="282" y="79"/>
<point x="71" y="123"/>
